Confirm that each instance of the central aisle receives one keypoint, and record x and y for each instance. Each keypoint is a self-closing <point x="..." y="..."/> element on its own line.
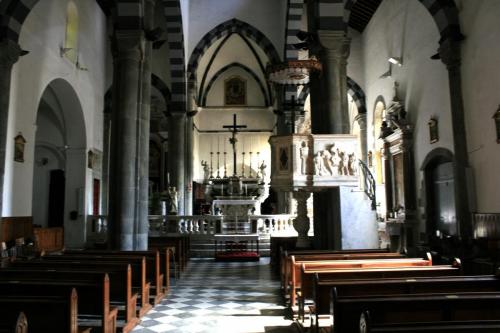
<point x="214" y="297"/>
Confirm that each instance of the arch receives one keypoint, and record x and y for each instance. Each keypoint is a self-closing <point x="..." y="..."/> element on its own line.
<point x="231" y="26"/>
<point x="162" y="88"/>
<point x="61" y="130"/>
<point x="353" y="89"/>
<point x="444" y="13"/>
<point x="175" y="34"/>
<point x="437" y="156"/>
<point x="226" y="68"/>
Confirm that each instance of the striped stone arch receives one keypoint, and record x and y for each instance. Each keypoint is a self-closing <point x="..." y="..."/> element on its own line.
<point x="444" y="13"/>
<point x="224" y="29"/>
<point x="160" y="85"/>
<point x="227" y="67"/>
<point x="353" y="89"/>
<point x="175" y="33"/>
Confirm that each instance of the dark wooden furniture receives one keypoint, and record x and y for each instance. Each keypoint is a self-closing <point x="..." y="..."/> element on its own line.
<point x="10" y="323"/>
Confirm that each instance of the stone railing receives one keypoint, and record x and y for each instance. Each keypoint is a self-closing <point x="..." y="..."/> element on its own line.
<point x="279" y="224"/>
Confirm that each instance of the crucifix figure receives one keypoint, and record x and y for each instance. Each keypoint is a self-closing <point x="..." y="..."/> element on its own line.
<point x="234" y="129"/>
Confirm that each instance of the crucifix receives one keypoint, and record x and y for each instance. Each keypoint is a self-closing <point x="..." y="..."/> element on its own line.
<point x="234" y="129"/>
<point x="293" y="107"/>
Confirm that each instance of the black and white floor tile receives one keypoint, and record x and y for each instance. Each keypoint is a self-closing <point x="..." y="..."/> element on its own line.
<point x="215" y="297"/>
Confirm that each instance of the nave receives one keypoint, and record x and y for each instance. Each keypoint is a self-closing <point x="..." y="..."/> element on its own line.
<point x="219" y="297"/>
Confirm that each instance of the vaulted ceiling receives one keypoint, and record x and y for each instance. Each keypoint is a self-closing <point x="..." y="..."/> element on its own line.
<point x="362" y="12"/>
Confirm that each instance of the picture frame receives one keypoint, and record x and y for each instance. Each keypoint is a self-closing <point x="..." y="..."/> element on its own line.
<point x="19" y="145"/>
<point x="235" y="91"/>
<point x="433" y="130"/>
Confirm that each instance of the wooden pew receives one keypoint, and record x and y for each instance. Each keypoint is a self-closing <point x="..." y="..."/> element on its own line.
<point x="9" y="323"/>
<point x="286" y="254"/>
<point x="181" y="243"/>
<point x="412" y="285"/>
<point x="157" y="266"/>
<point x="93" y="304"/>
<point x="471" y="326"/>
<point x="120" y="275"/>
<point x="293" y="262"/>
<point x="139" y="272"/>
<point x="408" y="310"/>
<point x="296" y="281"/>
<point x="57" y="314"/>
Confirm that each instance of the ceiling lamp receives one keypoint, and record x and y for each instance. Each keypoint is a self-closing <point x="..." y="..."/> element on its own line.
<point x="293" y="72"/>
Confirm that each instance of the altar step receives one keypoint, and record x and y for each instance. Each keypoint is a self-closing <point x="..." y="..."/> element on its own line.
<point x="202" y="246"/>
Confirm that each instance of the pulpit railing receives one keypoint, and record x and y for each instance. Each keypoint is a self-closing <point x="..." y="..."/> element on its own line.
<point x="275" y="224"/>
<point x="369" y="184"/>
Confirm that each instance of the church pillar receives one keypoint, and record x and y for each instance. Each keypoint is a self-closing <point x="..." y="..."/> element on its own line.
<point x="329" y="115"/>
<point x="142" y="229"/>
<point x="361" y="119"/>
<point x="176" y="156"/>
<point x="450" y="52"/>
<point x="9" y="54"/>
<point x="123" y="201"/>
<point x="188" y="173"/>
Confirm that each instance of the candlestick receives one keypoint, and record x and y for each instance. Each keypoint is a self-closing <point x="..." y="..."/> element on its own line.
<point x="218" y="164"/>
<point x="250" y="175"/>
<point x="211" y="168"/>
<point x="218" y="143"/>
<point x="243" y="165"/>
<point x="225" y="166"/>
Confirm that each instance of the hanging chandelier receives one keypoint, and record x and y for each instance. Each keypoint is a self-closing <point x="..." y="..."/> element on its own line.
<point x="293" y="72"/>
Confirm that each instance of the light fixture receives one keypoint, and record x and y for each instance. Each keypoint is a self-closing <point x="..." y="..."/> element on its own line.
<point x="396" y="61"/>
<point x="496" y="117"/>
<point x="386" y="74"/>
<point x="436" y="56"/>
<point x="293" y="72"/>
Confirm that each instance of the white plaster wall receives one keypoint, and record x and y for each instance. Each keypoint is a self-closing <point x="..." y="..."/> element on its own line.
<point x="204" y="15"/>
<point x="355" y="63"/>
<point x="481" y="79"/>
<point x="406" y="29"/>
<point x="160" y="62"/>
<point x="255" y="96"/>
<point x="43" y="34"/>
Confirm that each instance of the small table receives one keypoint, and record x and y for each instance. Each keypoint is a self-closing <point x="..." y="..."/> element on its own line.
<point x="236" y="247"/>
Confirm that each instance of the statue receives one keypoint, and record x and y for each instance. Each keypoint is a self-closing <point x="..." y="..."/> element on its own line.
<point x="172" y="193"/>
<point x="319" y="167"/>
<point x="262" y="169"/>
<point x="304" y="153"/>
<point x="342" y="163"/>
<point x="206" y="170"/>
<point x="351" y="164"/>
<point x="334" y="162"/>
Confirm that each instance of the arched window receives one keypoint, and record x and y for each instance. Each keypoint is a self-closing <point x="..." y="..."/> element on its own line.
<point x="71" y="41"/>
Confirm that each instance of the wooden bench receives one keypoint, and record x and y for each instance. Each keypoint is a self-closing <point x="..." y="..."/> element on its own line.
<point x="120" y="275"/>
<point x="94" y="305"/>
<point x="157" y="266"/>
<point x="181" y="244"/>
<point x="471" y="326"/>
<point x="10" y="323"/>
<point x="296" y="280"/>
<point x="411" y="285"/>
<point x="138" y="264"/>
<point x="56" y="314"/>
<point x="292" y="263"/>
<point x="350" y="313"/>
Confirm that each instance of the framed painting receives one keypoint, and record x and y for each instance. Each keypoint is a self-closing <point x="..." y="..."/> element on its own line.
<point x="235" y="91"/>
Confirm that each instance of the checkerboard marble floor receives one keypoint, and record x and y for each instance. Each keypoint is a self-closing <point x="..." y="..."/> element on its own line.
<point x="218" y="297"/>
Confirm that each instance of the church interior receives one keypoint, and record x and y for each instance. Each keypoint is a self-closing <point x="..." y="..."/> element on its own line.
<point x="249" y="166"/>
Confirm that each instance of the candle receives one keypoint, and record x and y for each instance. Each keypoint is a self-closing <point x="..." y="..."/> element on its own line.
<point x="218" y="143"/>
<point x="222" y="189"/>
<point x="224" y="144"/>
<point x="168" y="178"/>
<point x="245" y="189"/>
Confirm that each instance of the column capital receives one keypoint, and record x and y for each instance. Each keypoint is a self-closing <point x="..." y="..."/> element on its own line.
<point x="361" y="119"/>
<point x="449" y="51"/>
<point x="336" y="43"/>
<point x="129" y="44"/>
<point x="9" y="53"/>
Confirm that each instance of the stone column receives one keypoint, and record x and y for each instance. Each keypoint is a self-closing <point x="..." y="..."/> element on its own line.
<point x="188" y="173"/>
<point x="330" y="115"/>
<point x="9" y="54"/>
<point x="144" y="115"/>
<point x="123" y="201"/>
<point x="449" y="51"/>
<point x="361" y="119"/>
<point x="301" y="222"/>
<point x="176" y="153"/>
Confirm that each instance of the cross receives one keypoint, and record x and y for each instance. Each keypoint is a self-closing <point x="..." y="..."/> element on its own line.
<point x="234" y="129"/>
